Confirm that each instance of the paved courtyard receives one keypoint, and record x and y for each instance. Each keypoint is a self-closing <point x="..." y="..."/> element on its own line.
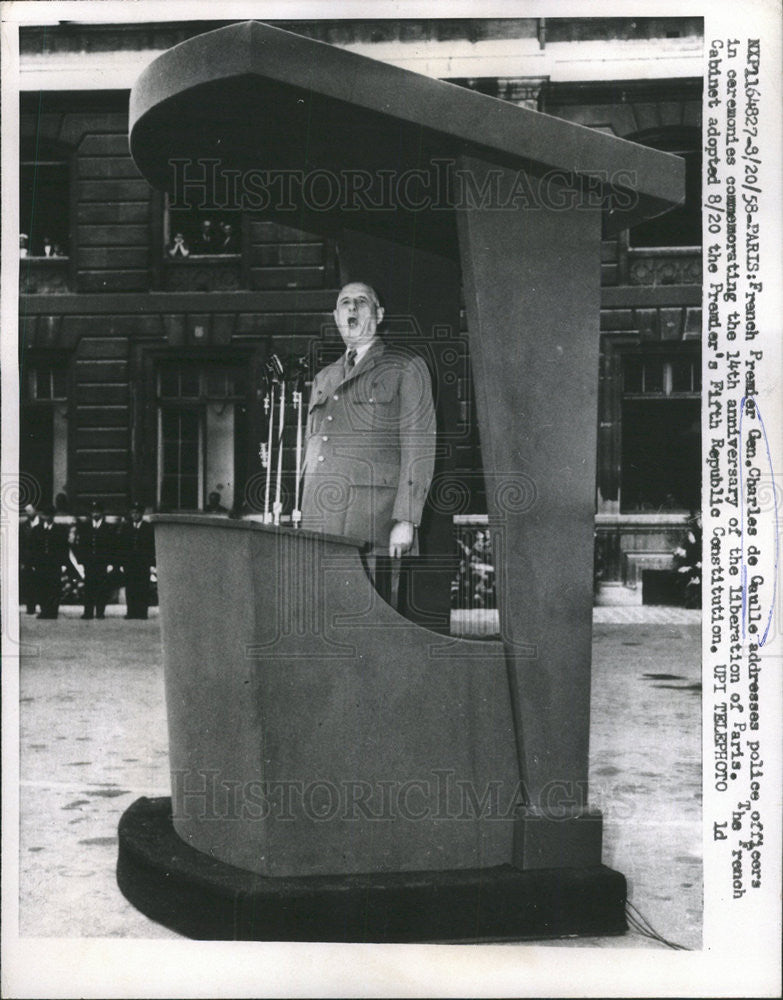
<point x="93" y="739"/>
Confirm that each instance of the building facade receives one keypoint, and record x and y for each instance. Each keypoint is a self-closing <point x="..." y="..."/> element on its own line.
<point x="145" y="327"/>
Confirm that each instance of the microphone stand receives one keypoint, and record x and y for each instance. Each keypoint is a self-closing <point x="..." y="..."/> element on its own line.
<point x="266" y="457"/>
<point x="296" y="514"/>
<point x="274" y="375"/>
<point x="278" y="506"/>
<point x="274" y="409"/>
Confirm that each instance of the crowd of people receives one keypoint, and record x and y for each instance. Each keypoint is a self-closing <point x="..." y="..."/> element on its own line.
<point x="47" y="247"/>
<point x="474" y="585"/>
<point x="85" y="562"/>
<point x="687" y="562"/>
<point x="208" y="239"/>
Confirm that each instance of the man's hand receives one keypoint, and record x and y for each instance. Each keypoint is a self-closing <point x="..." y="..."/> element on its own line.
<point x="400" y="539"/>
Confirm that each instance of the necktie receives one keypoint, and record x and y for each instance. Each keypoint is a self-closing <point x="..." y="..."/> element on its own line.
<point x="350" y="361"/>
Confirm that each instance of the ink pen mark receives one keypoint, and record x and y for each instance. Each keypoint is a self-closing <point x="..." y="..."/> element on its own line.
<point x="775" y="530"/>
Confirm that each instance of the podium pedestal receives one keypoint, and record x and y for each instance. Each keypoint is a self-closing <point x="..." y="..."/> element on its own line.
<point x="202" y="898"/>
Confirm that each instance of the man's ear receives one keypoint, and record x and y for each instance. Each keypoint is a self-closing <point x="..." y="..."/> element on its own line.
<point x="334" y="313"/>
<point x="379" y="314"/>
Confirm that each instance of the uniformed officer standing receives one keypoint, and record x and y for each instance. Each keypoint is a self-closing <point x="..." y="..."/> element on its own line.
<point x="370" y="446"/>
<point x="27" y="586"/>
<point x="137" y="551"/>
<point x="97" y="553"/>
<point x="48" y="552"/>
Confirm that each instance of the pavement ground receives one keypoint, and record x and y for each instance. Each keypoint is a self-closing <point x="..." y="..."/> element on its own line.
<point x="94" y="739"/>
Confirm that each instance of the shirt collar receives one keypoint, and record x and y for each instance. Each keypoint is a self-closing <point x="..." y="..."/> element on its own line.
<point x="361" y="351"/>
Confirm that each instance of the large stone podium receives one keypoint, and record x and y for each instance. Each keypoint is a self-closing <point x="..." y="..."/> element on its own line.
<point x="298" y="676"/>
<point x="315" y="731"/>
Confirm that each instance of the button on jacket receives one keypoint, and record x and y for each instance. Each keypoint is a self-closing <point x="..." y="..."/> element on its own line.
<point x="370" y="446"/>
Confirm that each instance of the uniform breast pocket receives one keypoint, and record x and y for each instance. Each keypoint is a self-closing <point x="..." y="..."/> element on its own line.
<point x="383" y="402"/>
<point x="315" y="410"/>
<point x="317" y="398"/>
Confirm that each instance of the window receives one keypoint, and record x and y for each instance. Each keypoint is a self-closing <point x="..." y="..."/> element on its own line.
<point x="47" y="382"/>
<point x="190" y="232"/>
<point x="661" y="376"/>
<point x="680" y="228"/>
<point x="44" y="194"/>
<point x="43" y="429"/>
<point x="201" y="433"/>
<point x="661" y="433"/>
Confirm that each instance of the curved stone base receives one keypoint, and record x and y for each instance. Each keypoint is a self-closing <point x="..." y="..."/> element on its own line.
<point x="202" y="898"/>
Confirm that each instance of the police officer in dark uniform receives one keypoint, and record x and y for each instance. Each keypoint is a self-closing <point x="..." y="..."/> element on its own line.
<point x="97" y="553"/>
<point x="137" y="552"/>
<point x="27" y="587"/>
<point x="48" y="552"/>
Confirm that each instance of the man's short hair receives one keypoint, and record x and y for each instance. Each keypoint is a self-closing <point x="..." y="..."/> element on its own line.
<point x="376" y="297"/>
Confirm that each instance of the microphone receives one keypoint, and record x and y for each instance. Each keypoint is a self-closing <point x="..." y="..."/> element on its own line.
<point x="275" y="372"/>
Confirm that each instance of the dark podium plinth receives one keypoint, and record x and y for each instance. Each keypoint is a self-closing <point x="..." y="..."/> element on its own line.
<point x="308" y="680"/>
<point x="206" y="899"/>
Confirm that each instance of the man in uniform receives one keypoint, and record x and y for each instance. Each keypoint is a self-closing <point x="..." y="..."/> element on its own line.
<point x="370" y="435"/>
<point x="48" y="552"/>
<point x="137" y="551"/>
<point x="97" y="549"/>
<point x="27" y="587"/>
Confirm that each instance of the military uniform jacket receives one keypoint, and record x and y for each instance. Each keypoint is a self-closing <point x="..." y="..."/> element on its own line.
<point x="48" y="547"/>
<point x="25" y="531"/>
<point x="370" y="445"/>
<point x="97" y="546"/>
<point x="137" y="545"/>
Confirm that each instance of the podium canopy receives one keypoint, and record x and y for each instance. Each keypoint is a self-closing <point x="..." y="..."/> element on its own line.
<point x="256" y="98"/>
